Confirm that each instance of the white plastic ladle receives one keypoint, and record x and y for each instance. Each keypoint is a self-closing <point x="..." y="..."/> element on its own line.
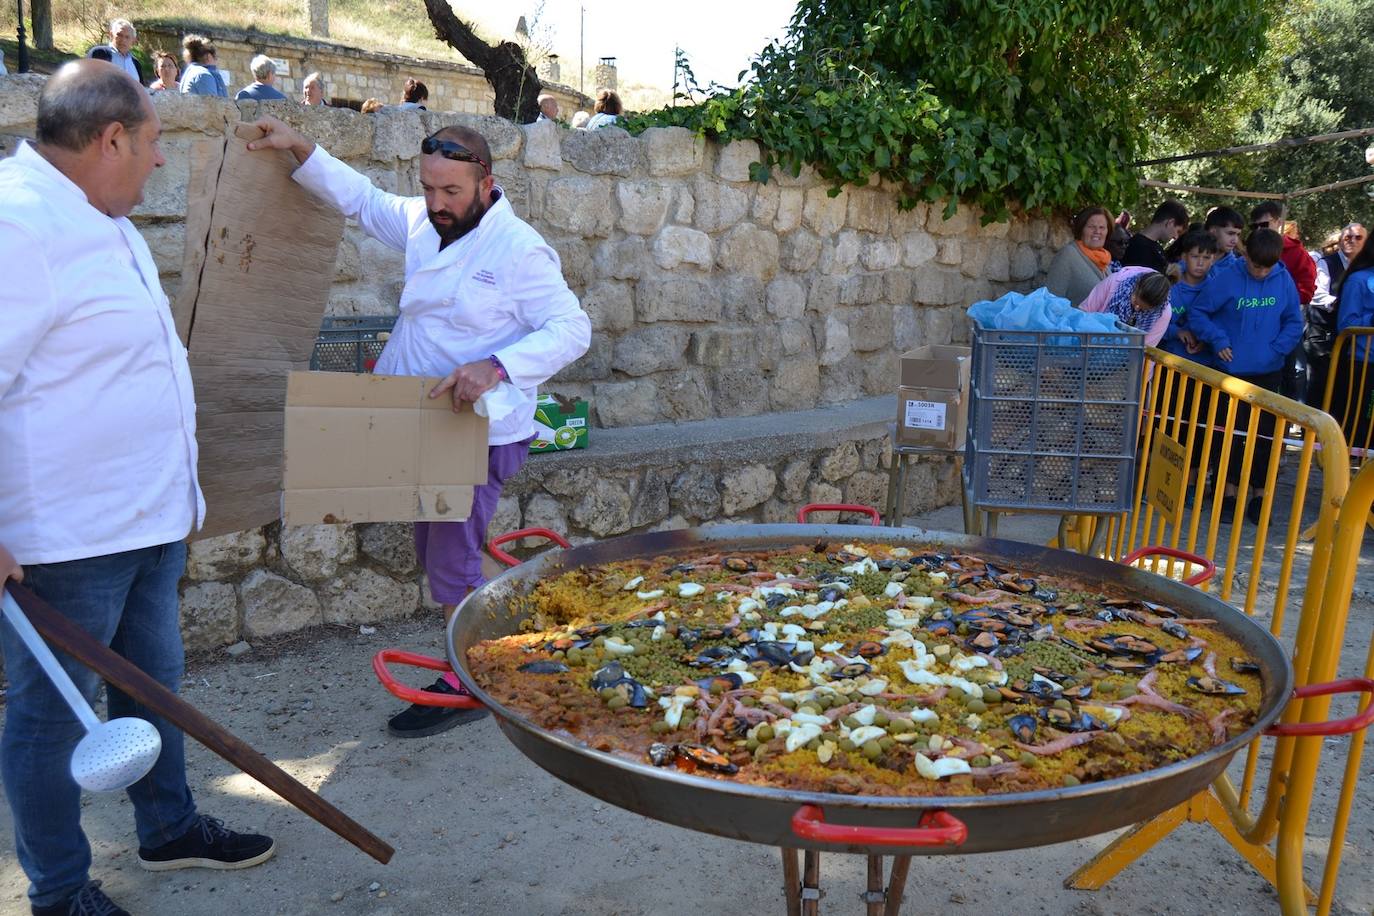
<point x="114" y="754"/>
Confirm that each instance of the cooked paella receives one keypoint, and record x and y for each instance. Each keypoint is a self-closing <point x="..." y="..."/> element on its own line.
<point x="870" y="669"/>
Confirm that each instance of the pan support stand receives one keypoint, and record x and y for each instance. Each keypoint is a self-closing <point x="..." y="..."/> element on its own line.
<point x="802" y="884"/>
<point x="1203" y="808"/>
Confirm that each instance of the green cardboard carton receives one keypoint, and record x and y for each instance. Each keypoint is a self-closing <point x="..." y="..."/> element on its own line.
<point x="559" y="423"/>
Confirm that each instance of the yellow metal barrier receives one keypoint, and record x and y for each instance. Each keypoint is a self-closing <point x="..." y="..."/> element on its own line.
<point x="1194" y="419"/>
<point x="1348" y="396"/>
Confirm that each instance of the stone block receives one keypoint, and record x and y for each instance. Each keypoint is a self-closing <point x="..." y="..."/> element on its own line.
<point x="609" y="151"/>
<point x="964" y="220"/>
<point x="506" y="517"/>
<point x="867" y="488"/>
<point x="742" y="299"/>
<point x="997" y="267"/>
<point x="717" y="206"/>
<point x="591" y="366"/>
<point x="1025" y="263"/>
<point x="673" y="151"/>
<point x="821" y="492"/>
<point x="344" y="133"/>
<point x="777" y="512"/>
<point x="646" y="350"/>
<point x="1038" y="232"/>
<point x="223" y="556"/>
<point x="795" y="337"/>
<point x="604" y="508"/>
<point x="823" y="213"/>
<point x="918" y="248"/>
<point x="741" y="391"/>
<point x="938" y="286"/>
<point x="610" y="306"/>
<point x="362" y="595"/>
<point x="694" y="493"/>
<point x="167" y="242"/>
<point x="794" y="479"/>
<point x="672" y="523"/>
<point x="543" y="511"/>
<point x="870" y="327"/>
<point x="677" y="245"/>
<point x="673" y="298"/>
<point x="630" y="403"/>
<point x="684" y="205"/>
<point x="975" y="261"/>
<point x="839" y="463"/>
<point x="910" y="220"/>
<point x="950" y="251"/>
<point x="316" y="552"/>
<point x="723" y="346"/>
<point x="897" y="286"/>
<point x="861" y="289"/>
<point x="880" y="254"/>
<point x="396" y="134"/>
<point x="880" y="372"/>
<point x="842" y="381"/>
<point x="804" y="178"/>
<point x="939" y="325"/>
<point x="765" y="204"/>
<point x="908" y="326"/>
<point x="786" y="298"/>
<point x="796" y="384"/>
<point x="996" y="230"/>
<point x="209" y="615"/>
<point x="840" y="254"/>
<point x="790" y="202"/>
<point x="164" y="196"/>
<point x="19" y="102"/>
<point x="686" y="396"/>
<point x="579" y="205"/>
<point x="575" y="260"/>
<point x="870" y="211"/>
<point x="832" y="340"/>
<point x="273" y="605"/>
<point x="543" y="146"/>
<point x="733" y="160"/>
<point x="391" y="544"/>
<point x="643" y="205"/>
<point x="649" y="500"/>
<point x="620" y="259"/>
<point x="747" y="249"/>
<point x="503" y="136"/>
<point x="799" y="251"/>
<point x="746" y="487"/>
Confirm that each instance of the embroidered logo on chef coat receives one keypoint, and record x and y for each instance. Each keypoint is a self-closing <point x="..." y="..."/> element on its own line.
<point x="485" y="277"/>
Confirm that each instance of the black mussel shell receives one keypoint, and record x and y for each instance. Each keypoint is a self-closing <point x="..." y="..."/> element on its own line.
<point x="1159" y="610"/>
<point x="1038" y="690"/>
<point x="706" y="757"/>
<point x="1182" y="656"/>
<point x="1124" y="644"/>
<point x="660" y="755"/>
<point x="1006" y="650"/>
<point x="775" y="600"/>
<point x="565" y="643"/>
<point x="721" y="682"/>
<point x="688" y="636"/>
<point x="1174" y="629"/>
<point x="1042" y="633"/>
<point x="593" y="630"/>
<point x="1065" y="720"/>
<point x="854" y="669"/>
<point x="1215" y="686"/>
<point x="643" y="622"/>
<point x="1079" y="692"/>
<point x="544" y="666"/>
<point x="773" y="652"/>
<point x="940" y="627"/>
<point x="608" y="675"/>
<point x="984" y="641"/>
<point x="680" y="568"/>
<point x="833" y="577"/>
<point x="930" y="560"/>
<point x="831" y="593"/>
<point x="1045" y="595"/>
<point x="1076" y="610"/>
<point x="1126" y="663"/>
<point x="870" y="649"/>
<point x="738" y="564"/>
<point x="1243" y="666"/>
<point x="716" y="657"/>
<point x="1022" y="728"/>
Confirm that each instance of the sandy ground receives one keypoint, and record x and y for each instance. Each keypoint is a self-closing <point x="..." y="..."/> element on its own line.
<point x="478" y="829"/>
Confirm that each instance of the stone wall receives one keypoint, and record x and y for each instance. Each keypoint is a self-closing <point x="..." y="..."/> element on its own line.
<point x="349" y="73"/>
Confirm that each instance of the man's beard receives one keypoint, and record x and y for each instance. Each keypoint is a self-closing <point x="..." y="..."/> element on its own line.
<point x="457" y="226"/>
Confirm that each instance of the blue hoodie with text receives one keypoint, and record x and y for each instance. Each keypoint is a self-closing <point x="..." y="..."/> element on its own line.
<point x="1181" y="298"/>
<point x="1260" y="320"/>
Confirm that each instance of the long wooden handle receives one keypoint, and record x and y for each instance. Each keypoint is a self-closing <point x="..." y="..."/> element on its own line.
<point x="121" y="673"/>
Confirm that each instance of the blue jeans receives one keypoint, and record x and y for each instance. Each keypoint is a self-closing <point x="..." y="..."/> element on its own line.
<point x="129" y="602"/>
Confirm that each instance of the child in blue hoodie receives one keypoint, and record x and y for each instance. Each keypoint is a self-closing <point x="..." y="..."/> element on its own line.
<point x="1194" y="253"/>
<point x="1249" y="315"/>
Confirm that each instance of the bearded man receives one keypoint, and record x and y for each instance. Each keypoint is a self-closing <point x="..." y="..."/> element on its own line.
<point x="484" y="302"/>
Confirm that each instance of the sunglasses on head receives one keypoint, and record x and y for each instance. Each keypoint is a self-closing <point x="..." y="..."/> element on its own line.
<point x="451" y="150"/>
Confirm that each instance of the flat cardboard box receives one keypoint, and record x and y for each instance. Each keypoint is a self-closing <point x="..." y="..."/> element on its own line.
<point x="932" y="417"/>
<point x="936" y="366"/>
<point x="377" y="448"/>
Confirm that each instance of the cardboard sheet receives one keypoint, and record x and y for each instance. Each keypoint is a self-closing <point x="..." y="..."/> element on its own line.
<point x="259" y="261"/>
<point x="377" y="448"/>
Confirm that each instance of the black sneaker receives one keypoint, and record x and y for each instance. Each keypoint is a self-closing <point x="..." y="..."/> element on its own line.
<point x="1253" y="508"/>
<point x="89" y="901"/>
<point x="422" y="721"/>
<point x="209" y="844"/>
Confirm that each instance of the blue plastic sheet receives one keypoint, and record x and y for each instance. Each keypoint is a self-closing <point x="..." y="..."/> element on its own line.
<point x="1040" y="310"/>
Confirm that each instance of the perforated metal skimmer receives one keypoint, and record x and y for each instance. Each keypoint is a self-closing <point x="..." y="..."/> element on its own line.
<point x="114" y="754"/>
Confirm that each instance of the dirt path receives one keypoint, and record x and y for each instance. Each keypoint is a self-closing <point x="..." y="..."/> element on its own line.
<point x="480" y="830"/>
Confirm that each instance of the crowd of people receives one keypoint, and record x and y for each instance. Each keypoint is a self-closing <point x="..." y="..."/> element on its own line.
<point x="1243" y="297"/>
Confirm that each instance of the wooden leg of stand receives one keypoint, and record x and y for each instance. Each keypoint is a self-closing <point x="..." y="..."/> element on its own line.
<point x="791" y="881"/>
<point x="896" y="885"/>
<point x="811" y="884"/>
<point x="876" y="895"/>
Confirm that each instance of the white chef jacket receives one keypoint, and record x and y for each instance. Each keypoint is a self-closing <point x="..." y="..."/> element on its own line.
<point x="499" y="290"/>
<point x="97" y="413"/>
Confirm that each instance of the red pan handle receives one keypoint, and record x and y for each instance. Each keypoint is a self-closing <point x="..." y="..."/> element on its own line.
<point x="1209" y="569"/>
<point x="935" y="828"/>
<point x="806" y="510"/>
<point x="1345" y="726"/>
<point x="411" y="694"/>
<point x="494" y="545"/>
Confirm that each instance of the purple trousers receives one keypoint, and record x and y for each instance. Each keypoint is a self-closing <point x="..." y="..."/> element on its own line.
<point x="451" y="552"/>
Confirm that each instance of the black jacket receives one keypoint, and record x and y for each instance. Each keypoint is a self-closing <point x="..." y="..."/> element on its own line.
<point x="1143" y="251"/>
<point x="105" y="52"/>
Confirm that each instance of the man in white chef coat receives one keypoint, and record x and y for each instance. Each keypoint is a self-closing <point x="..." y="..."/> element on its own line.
<point x="484" y="302"/>
<point x="98" y="460"/>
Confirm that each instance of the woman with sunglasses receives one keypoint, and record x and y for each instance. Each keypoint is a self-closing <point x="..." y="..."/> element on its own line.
<point x="484" y="303"/>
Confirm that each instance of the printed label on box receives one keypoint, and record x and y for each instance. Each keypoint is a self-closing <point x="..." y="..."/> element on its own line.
<point x="925" y="415"/>
<point x="577" y="421"/>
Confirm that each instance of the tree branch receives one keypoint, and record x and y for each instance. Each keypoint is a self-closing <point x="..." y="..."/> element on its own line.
<point x="512" y="79"/>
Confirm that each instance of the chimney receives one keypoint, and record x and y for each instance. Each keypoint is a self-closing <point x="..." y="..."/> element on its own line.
<point x="606" y="74"/>
<point x="549" y="69"/>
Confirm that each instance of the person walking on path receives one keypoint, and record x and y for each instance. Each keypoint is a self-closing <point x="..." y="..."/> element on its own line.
<point x="98" y="454"/>
<point x="484" y="302"/>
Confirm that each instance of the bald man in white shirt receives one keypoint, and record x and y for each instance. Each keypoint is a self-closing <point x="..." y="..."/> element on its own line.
<point x="98" y="460"/>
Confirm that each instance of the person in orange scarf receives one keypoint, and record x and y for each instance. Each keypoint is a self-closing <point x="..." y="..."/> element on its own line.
<point x="1082" y="264"/>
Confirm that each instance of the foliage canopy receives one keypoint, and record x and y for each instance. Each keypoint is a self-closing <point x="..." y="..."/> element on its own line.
<point x="1041" y="102"/>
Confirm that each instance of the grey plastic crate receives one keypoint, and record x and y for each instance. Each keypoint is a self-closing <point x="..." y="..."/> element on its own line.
<point x="1053" y="419"/>
<point x="350" y="344"/>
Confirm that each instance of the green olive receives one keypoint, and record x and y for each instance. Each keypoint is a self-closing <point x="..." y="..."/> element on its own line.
<point x="751" y="745"/>
<point x="977" y="706"/>
<point x="980" y="761"/>
<point x="851" y="722"/>
<point x="872" y="749"/>
<point x="1063" y="704"/>
<point x="660" y="727"/>
<point x="616" y="702"/>
<point x="881" y="719"/>
<point x="846" y="744"/>
<point x="764" y="733"/>
<point x="1070" y="779"/>
<point x="1027" y="759"/>
<point x="991" y="695"/>
<point x="886" y="742"/>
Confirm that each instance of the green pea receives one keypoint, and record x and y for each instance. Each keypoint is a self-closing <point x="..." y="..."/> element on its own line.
<point x="980" y="761"/>
<point x="789" y="702"/>
<point x="810" y="710"/>
<point x="688" y="718"/>
<point x="764" y="732"/>
<point x="607" y="693"/>
<point x="1027" y="759"/>
<point x="846" y="745"/>
<point x="1070" y="779"/>
<point x="881" y="719"/>
<point x="899" y="726"/>
<point x="1063" y="704"/>
<point x="872" y="749"/>
<point x="574" y="655"/>
<point x="599" y="641"/>
<point x="991" y="695"/>
<point x="977" y="706"/>
<point x="851" y="722"/>
<point x="813" y="744"/>
<point x="751" y="745"/>
<point x="558" y="653"/>
<point x="660" y="727"/>
<point x="616" y="702"/>
<point x="886" y="742"/>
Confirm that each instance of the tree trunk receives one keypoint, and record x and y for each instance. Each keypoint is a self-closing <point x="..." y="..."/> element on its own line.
<point x="511" y="77"/>
<point x="41" y="13"/>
